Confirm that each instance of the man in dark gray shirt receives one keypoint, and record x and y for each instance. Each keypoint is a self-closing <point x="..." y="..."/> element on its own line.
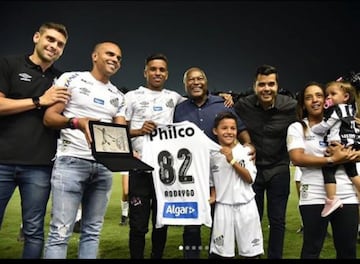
<point x="267" y="115"/>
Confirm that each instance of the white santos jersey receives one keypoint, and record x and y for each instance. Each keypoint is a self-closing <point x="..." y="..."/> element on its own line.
<point x="230" y="187"/>
<point x="312" y="190"/>
<point x="180" y="155"/>
<point x="89" y="98"/>
<point x="144" y="104"/>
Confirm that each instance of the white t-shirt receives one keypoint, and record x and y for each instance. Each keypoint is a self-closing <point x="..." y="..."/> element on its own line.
<point x="312" y="190"/>
<point x="144" y="104"/>
<point x="230" y="187"/>
<point x="180" y="155"/>
<point x="89" y="98"/>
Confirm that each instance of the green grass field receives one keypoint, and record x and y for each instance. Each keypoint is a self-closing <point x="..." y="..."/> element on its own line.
<point x="114" y="239"/>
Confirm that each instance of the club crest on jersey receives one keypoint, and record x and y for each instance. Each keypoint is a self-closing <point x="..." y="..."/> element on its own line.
<point x="219" y="241"/>
<point x="170" y="132"/>
<point x="170" y="103"/>
<point x="115" y="102"/>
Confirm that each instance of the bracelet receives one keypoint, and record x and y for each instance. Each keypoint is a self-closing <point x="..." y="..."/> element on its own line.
<point x="73" y="123"/>
<point x="232" y="162"/>
<point x="36" y="102"/>
<point x="76" y="123"/>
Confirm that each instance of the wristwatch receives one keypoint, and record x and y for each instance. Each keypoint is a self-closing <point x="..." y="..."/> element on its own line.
<point x="36" y="101"/>
<point x="329" y="161"/>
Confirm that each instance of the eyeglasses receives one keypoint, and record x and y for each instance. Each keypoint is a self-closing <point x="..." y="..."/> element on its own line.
<point x="269" y="84"/>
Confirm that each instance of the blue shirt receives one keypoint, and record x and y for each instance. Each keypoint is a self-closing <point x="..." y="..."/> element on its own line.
<point x="204" y="115"/>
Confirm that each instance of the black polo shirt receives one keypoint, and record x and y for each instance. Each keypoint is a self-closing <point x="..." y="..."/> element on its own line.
<point x="24" y="140"/>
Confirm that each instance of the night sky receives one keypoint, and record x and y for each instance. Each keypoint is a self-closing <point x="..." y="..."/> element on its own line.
<point x="306" y="41"/>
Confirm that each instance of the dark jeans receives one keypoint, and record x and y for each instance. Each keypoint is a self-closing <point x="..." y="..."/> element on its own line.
<point x="277" y="195"/>
<point x="142" y="203"/>
<point x="344" y="224"/>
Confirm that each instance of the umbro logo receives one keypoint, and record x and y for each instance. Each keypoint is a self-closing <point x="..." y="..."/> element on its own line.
<point x="25" y="77"/>
<point x="255" y="242"/>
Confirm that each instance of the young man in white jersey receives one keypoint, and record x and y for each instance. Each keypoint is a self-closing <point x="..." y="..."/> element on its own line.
<point x="147" y="106"/>
<point x="76" y="177"/>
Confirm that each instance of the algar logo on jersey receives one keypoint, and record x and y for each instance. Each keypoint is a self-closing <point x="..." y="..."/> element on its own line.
<point x="181" y="210"/>
<point x="171" y="132"/>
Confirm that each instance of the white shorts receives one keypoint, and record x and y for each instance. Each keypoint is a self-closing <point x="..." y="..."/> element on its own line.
<point x="240" y="222"/>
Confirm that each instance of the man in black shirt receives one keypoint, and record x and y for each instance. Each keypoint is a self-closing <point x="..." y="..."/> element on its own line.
<point x="27" y="147"/>
<point x="267" y="115"/>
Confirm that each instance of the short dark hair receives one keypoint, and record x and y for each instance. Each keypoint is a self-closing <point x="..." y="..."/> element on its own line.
<point x="52" y="25"/>
<point x="222" y="115"/>
<point x="266" y="70"/>
<point x="156" y="56"/>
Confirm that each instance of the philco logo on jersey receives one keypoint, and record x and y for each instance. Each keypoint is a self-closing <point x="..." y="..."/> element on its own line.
<point x="181" y="210"/>
<point x="172" y="132"/>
